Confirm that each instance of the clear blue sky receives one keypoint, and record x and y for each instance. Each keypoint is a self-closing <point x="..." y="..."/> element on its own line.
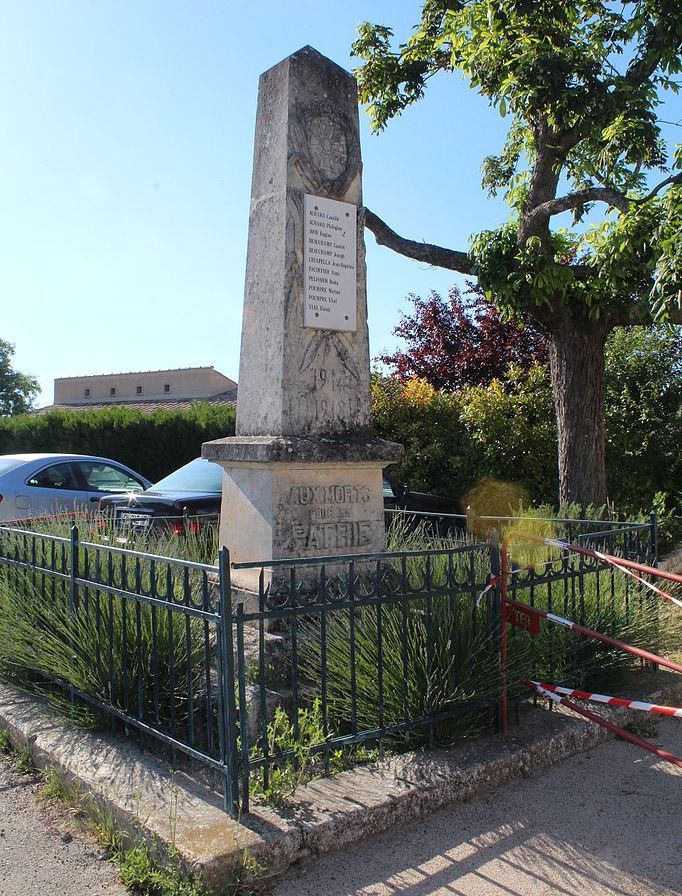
<point x="126" y="139"/>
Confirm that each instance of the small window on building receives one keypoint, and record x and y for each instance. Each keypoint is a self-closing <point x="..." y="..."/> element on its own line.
<point x="112" y="391"/>
<point x="166" y="387"/>
<point x="138" y="390"/>
<point x="86" y="393"/>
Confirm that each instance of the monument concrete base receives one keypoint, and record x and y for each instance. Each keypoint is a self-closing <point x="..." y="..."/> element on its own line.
<point x="296" y="497"/>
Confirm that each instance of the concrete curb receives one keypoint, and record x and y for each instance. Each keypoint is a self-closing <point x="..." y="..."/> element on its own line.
<point x="170" y="810"/>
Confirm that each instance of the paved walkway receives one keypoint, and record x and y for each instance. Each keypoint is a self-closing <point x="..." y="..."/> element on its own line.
<point x="605" y="823"/>
<point x="39" y="853"/>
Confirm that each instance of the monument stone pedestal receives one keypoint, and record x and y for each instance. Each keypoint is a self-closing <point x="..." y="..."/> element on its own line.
<point x="300" y="497"/>
<point x="303" y="475"/>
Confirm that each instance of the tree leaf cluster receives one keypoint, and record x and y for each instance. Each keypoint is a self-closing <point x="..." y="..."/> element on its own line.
<point x="504" y="430"/>
<point x="582" y="83"/>
<point x="17" y="390"/>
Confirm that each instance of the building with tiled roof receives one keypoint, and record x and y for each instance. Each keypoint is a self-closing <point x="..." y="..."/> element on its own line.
<point x="146" y="390"/>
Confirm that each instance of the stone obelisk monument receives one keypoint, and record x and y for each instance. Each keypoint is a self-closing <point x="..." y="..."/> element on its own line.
<point x="303" y="475"/>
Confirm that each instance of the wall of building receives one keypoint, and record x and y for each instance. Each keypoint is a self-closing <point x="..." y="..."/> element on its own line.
<point x="175" y="384"/>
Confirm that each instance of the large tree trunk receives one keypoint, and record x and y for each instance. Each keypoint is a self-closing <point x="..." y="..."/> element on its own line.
<point x="578" y="380"/>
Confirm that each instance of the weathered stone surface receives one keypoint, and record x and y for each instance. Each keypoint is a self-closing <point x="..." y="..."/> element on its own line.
<point x="304" y="406"/>
<point x="297" y="380"/>
<point x="301" y="449"/>
<point x="299" y="510"/>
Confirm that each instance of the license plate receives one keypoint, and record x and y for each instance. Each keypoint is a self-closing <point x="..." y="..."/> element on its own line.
<point x="129" y="518"/>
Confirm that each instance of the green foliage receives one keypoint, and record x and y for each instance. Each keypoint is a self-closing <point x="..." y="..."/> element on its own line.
<point x="141" y="872"/>
<point x="17" y="390"/>
<point x="667" y="288"/>
<point x="5" y="743"/>
<point x="427" y="422"/>
<point x="56" y="787"/>
<point x="540" y="61"/>
<point x="93" y="651"/>
<point x="435" y="655"/>
<point x="153" y="444"/>
<point x="582" y="82"/>
<point x="506" y="432"/>
<point x="644" y="416"/>
<point x="511" y="427"/>
<point x="23" y="760"/>
<point x="284" y="778"/>
<point x="452" y="441"/>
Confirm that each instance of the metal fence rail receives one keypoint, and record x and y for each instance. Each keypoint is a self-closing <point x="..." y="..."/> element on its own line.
<point x="372" y="651"/>
<point x="138" y="636"/>
<point x="332" y="661"/>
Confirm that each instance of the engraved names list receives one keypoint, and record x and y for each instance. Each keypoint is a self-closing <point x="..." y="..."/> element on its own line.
<point x="330" y="253"/>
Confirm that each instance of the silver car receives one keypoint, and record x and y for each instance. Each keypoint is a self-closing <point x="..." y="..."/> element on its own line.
<point x="37" y="485"/>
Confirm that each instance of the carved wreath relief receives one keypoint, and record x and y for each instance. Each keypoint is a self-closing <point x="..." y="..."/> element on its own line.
<point x="327" y="146"/>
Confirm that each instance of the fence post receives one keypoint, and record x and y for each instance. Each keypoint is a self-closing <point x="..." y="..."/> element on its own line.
<point x="653" y="538"/>
<point x="495" y="622"/>
<point x="73" y="571"/>
<point x="227" y="721"/>
<point x="73" y="596"/>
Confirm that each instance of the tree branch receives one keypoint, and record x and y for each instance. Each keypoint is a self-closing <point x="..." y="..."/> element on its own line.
<point x="612" y="197"/>
<point x="673" y="179"/>
<point x="426" y="252"/>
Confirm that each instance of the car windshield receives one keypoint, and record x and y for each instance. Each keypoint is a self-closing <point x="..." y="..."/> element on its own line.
<point x="9" y="463"/>
<point x="388" y="489"/>
<point x="199" y="475"/>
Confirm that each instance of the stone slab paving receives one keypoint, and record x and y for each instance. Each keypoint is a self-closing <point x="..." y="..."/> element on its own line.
<point x="604" y="823"/>
<point x="40" y="852"/>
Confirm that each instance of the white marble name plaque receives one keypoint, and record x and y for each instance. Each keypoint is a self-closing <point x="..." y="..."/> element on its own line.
<point x="329" y="263"/>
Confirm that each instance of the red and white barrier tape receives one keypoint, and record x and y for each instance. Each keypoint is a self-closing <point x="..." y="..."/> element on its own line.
<point x="552" y="690"/>
<point x="605" y="723"/>
<point x="491" y="584"/>
<point x="620" y="565"/>
<point x="590" y="633"/>
<point x="649" y="585"/>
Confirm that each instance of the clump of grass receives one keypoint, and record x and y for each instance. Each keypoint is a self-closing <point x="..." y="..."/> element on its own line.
<point x="5" y="744"/>
<point x="56" y="787"/>
<point x="436" y="651"/>
<point x="139" y="870"/>
<point x="299" y="761"/>
<point x="118" y="652"/>
<point x="198" y="546"/>
<point x="23" y="761"/>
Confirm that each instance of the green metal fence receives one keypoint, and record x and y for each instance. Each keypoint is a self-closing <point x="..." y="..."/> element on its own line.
<point x="333" y="661"/>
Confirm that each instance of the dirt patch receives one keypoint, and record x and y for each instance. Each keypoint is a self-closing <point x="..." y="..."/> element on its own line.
<point x="42" y="850"/>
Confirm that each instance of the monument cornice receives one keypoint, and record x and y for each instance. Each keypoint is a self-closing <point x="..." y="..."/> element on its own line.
<point x="303" y="449"/>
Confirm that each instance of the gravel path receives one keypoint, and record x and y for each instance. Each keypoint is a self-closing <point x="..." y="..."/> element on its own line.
<point x="40" y="852"/>
<point x="605" y="823"/>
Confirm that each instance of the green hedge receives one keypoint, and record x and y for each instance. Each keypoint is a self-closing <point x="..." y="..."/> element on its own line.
<point x="506" y="430"/>
<point x="153" y="444"/>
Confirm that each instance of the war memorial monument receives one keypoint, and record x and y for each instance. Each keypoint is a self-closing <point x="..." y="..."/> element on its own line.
<point x="303" y="474"/>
